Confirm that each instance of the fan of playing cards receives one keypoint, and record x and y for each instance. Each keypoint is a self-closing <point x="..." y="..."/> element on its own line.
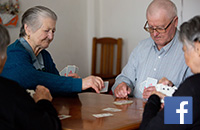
<point x="69" y="69"/>
<point x="165" y="89"/>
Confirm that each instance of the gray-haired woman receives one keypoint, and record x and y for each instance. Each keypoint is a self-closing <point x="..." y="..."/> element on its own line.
<point x="153" y="117"/>
<point x="30" y="64"/>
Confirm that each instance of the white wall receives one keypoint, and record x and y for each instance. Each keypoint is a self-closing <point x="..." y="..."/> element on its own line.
<point x="80" y="20"/>
<point x="70" y="42"/>
<point x="126" y="19"/>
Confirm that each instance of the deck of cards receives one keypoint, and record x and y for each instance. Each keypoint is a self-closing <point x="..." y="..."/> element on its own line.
<point x="105" y="89"/>
<point x="70" y="69"/>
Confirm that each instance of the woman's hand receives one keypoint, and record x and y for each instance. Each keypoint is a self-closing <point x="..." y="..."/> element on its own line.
<point x="42" y="93"/>
<point x="94" y="82"/>
<point x="165" y="81"/>
<point x="73" y="75"/>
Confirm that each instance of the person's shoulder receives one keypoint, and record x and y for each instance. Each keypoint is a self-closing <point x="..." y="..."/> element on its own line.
<point x="8" y="84"/>
<point x="7" y="81"/>
<point x="16" y="46"/>
<point x="193" y="79"/>
<point x="191" y="84"/>
<point x="144" y="45"/>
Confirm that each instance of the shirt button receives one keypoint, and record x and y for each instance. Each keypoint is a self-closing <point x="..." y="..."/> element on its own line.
<point x="159" y="57"/>
<point x="154" y="69"/>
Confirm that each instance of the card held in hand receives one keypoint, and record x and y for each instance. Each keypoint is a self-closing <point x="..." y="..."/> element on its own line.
<point x="105" y="89"/>
<point x="70" y="69"/>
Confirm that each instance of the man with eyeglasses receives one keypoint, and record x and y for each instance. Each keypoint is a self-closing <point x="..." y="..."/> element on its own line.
<point x="160" y="56"/>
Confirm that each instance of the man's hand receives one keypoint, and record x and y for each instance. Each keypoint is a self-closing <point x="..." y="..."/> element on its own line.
<point x="165" y="81"/>
<point x="122" y="90"/>
<point x="148" y="91"/>
<point x="42" y="93"/>
<point x="94" y="82"/>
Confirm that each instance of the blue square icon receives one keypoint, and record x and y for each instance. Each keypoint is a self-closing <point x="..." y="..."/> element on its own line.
<point x="178" y="110"/>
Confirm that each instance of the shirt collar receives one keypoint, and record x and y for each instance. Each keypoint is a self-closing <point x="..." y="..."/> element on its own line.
<point x="38" y="62"/>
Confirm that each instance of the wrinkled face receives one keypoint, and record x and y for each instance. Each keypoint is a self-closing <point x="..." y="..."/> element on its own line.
<point x="3" y="57"/>
<point x="161" y="21"/>
<point x="192" y="57"/>
<point x="44" y="35"/>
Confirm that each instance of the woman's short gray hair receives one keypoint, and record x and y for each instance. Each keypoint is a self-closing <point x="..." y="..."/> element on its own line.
<point x="4" y="38"/>
<point x="32" y="18"/>
<point x="190" y="31"/>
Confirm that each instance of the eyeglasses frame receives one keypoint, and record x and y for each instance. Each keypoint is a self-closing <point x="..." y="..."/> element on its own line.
<point x="145" y="28"/>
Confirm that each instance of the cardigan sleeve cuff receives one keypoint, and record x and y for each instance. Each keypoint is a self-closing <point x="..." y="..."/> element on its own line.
<point x="77" y="85"/>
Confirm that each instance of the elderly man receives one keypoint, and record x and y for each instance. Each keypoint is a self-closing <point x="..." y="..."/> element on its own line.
<point x="159" y="56"/>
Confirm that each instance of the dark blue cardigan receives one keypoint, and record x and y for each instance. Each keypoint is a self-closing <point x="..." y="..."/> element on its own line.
<point x="19" y="67"/>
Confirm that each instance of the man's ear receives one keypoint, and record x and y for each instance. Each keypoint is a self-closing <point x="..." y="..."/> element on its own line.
<point x="176" y="21"/>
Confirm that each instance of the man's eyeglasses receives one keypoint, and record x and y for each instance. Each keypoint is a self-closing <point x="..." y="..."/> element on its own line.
<point x="159" y="29"/>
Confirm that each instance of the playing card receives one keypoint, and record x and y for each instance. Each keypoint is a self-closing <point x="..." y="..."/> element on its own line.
<point x="122" y="102"/>
<point x="61" y="117"/>
<point x="71" y="69"/>
<point x="68" y="70"/>
<point x="142" y="85"/>
<point x="165" y="89"/>
<point x="31" y="92"/>
<point x="112" y="109"/>
<point x="151" y="82"/>
<point x="102" y="115"/>
<point x="105" y="89"/>
<point x="64" y="72"/>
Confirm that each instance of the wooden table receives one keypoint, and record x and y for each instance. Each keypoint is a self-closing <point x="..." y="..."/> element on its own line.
<point x="82" y="107"/>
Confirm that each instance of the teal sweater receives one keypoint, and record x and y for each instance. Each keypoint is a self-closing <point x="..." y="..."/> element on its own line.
<point x="19" y="67"/>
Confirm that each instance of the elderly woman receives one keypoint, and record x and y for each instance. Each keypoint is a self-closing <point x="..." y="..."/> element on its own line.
<point x="153" y="117"/>
<point x="30" y="64"/>
<point x="18" y="110"/>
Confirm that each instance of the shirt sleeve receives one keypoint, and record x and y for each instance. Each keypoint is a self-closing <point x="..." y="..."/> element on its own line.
<point x="128" y="74"/>
<point x="19" y="68"/>
<point x="151" y="109"/>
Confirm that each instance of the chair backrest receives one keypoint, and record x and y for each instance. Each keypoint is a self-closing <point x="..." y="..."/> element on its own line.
<point x="110" y="53"/>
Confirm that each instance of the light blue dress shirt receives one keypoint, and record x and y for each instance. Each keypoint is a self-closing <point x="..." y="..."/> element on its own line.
<point x="147" y="61"/>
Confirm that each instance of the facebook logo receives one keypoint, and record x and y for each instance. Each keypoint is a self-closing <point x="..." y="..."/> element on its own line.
<point x="178" y="110"/>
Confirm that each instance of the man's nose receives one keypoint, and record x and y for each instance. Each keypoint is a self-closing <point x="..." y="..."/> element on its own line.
<point x="155" y="33"/>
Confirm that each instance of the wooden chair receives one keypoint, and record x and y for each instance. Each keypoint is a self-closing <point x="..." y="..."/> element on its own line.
<point x="106" y="58"/>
